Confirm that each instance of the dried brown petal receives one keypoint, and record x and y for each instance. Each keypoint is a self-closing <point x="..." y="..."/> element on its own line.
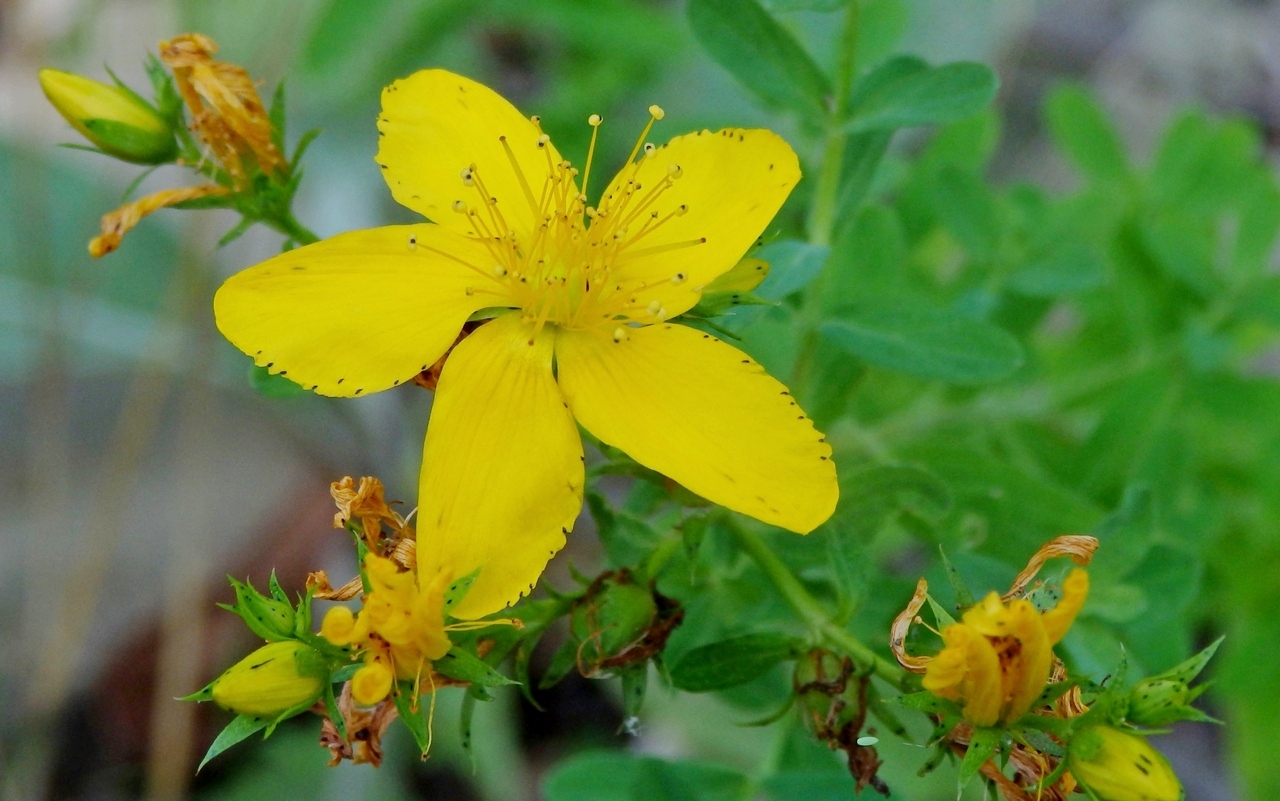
<point x="1079" y="547"/>
<point x="902" y="626"/>
<point x="117" y="223"/>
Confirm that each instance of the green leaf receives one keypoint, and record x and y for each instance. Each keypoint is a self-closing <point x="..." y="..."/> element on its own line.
<point x="811" y="784"/>
<point x="927" y="343"/>
<point x="806" y="5"/>
<point x="927" y="96"/>
<point x="967" y="208"/>
<point x="458" y="664"/>
<point x="863" y="154"/>
<point x="730" y="662"/>
<point x="613" y="776"/>
<point x="925" y="701"/>
<point x="1081" y="129"/>
<point x="982" y="745"/>
<point x="868" y="258"/>
<point x="238" y="729"/>
<point x="761" y="54"/>
<point x="1069" y="268"/>
<point x="959" y="587"/>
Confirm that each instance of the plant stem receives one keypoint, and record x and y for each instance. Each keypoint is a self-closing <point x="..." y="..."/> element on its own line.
<point x="827" y="191"/>
<point x="808" y="608"/>
<point x="288" y="225"/>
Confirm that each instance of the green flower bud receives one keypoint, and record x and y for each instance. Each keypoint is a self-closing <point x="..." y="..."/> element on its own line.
<point x="270" y="618"/>
<point x="272" y="680"/>
<point x="1166" y="697"/>
<point x="1118" y="766"/>
<point x="113" y="118"/>
<point x="612" y="618"/>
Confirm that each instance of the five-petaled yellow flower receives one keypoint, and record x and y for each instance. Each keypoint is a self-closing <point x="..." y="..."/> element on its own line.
<point x="578" y="301"/>
<point x="998" y="659"/>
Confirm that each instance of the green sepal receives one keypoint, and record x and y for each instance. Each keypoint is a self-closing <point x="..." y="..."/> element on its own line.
<point x="982" y="746"/>
<point x="238" y="729"/>
<point x="331" y="709"/>
<point x="716" y="304"/>
<point x="458" y="589"/>
<point x="460" y="665"/>
<point x="964" y="595"/>
<point x="562" y="661"/>
<point x="203" y="694"/>
<point x="635" y="681"/>
<point x="926" y="701"/>
<point x="413" y="719"/>
<point x="465" y="715"/>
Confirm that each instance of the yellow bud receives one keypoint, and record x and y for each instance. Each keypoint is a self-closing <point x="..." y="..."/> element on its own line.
<point x="338" y="626"/>
<point x="272" y="680"/>
<point x="116" y="120"/>
<point x="371" y="684"/>
<point x="1118" y="766"/>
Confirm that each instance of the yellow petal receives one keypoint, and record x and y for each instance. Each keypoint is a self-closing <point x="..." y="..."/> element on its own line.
<point x="1074" y="592"/>
<point x="731" y="182"/>
<point x="693" y="408"/>
<point x="502" y="474"/>
<point x="1027" y="670"/>
<point x="357" y="313"/>
<point x="434" y="125"/>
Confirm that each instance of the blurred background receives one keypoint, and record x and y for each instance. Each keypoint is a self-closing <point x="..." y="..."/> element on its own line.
<point x="138" y="466"/>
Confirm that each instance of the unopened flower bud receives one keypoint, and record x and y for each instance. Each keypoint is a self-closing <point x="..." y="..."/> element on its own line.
<point x="612" y="618"/>
<point x="269" y="618"/>
<point x="272" y="680"/>
<point x="113" y="118"/>
<point x="1166" y="697"/>
<point x="1117" y="766"/>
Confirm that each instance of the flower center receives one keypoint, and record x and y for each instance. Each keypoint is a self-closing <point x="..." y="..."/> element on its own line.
<point x="571" y="271"/>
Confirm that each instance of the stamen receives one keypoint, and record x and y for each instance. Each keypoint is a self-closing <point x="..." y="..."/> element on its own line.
<point x="467" y="179"/>
<point x="655" y="113"/>
<point x="663" y="249"/>
<point x="674" y="171"/>
<point x="524" y="185"/>
<point x="650" y="148"/>
<point x="619" y="334"/>
<point x="594" y="121"/>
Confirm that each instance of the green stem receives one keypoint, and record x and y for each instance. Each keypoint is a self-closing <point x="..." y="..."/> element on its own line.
<point x="810" y="611"/>
<point x="288" y="225"/>
<point x="826" y="193"/>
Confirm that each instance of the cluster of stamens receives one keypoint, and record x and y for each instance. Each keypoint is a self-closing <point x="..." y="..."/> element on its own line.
<point x="566" y="273"/>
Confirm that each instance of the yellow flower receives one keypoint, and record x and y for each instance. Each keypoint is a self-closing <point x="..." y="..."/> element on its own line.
<point x="400" y="629"/>
<point x="272" y="680"/>
<point x="113" y="118"/>
<point x="586" y="289"/>
<point x="997" y="660"/>
<point x="1118" y="766"/>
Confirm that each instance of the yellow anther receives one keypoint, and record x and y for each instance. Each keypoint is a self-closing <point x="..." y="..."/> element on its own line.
<point x="499" y="270"/>
<point x="543" y="140"/>
<point x="591" y="210"/>
<point x="413" y="243"/>
<point x="678" y="278"/>
<point x="619" y="334"/>
<point x="467" y="177"/>
<point x="594" y="120"/>
<point x="655" y="306"/>
<point x="682" y="210"/>
<point x="674" y="171"/>
<point x="650" y="148"/>
<point x="460" y="207"/>
<point x="656" y="112"/>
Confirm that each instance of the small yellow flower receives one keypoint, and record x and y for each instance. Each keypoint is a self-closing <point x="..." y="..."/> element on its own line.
<point x="116" y="120"/>
<point x="272" y="680"/>
<point x="1119" y="766"/>
<point x="588" y="289"/>
<point x="401" y="628"/>
<point x="997" y="660"/>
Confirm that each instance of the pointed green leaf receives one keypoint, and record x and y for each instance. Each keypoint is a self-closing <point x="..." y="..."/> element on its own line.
<point x="982" y="745"/>
<point x="458" y="664"/>
<point x="730" y="662"/>
<point x="238" y="729"/>
<point x="915" y="94"/>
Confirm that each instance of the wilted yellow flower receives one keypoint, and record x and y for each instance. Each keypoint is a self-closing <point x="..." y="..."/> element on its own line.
<point x="226" y="112"/>
<point x="116" y="120"/>
<point x="587" y="288"/>
<point x="1119" y="766"/>
<point x="997" y="660"/>
<point x="401" y="628"/>
<point x="366" y="503"/>
<point x="272" y="680"/>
